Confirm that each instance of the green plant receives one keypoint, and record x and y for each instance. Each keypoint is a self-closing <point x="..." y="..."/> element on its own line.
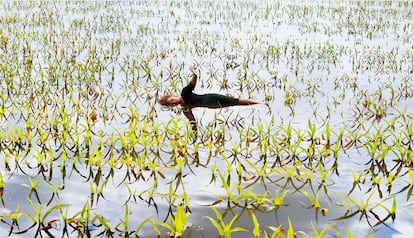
<point x="178" y="222"/>
<point x="410" y="184"/>
<point x="124" y="223"/>
<point x="1" y="180"/>
<point x="40" y="215"/>
<point x="316" y="234"/>
<point x="256" y="225"/>
<point x="99" y="220"/>
<point x="313" y="199"/>
<point x="33" y="187"/>
<point x="146" y="220"/>
<point x="224" y="230"/>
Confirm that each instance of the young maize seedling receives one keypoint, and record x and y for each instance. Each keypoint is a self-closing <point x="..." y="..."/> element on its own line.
<point x="178" y="223"/>
<point x="224" y="230"/>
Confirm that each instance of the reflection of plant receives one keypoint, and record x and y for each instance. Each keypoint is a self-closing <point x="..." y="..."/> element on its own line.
<point x="40" y="216"/>
<point x="14" y="217"/>
<point x="99" y="220"/>
<point x="391" y="212"/>
<point x="366" y="207"/>
<point x="55" y="191"/>
<point x="260" y="172"/>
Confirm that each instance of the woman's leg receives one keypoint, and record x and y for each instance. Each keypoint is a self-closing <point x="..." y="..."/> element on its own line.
<point x="213" y="100"/>
<point x="245" y="101"/>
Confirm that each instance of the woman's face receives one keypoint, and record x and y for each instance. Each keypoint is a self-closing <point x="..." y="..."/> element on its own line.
<point x="173" y="101"/>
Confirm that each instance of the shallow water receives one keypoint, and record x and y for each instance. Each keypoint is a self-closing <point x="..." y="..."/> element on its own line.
<point x="333" y="64"/>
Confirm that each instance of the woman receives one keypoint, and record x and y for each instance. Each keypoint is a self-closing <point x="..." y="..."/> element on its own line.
<point x="189" y="100"/>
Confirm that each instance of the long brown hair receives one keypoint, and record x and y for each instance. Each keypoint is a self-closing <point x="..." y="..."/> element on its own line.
<point x="163" y="99"/>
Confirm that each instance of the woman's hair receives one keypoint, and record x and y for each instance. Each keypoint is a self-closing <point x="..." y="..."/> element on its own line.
<point x="163" y="99"/>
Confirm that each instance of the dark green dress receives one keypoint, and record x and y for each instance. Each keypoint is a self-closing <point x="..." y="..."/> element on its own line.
<point x="210" y="100"/>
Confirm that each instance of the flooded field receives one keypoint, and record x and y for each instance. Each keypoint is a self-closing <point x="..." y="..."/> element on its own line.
<point x="86" y="150"/>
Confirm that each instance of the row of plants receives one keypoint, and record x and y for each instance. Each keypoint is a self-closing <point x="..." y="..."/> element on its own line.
<point x="285" y="157"/>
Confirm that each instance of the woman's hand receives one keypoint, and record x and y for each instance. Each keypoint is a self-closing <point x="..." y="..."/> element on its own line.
<point x="196" y="75"/>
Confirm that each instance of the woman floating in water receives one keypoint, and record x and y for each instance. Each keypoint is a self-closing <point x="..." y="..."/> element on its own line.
<point x="189" y="100"/>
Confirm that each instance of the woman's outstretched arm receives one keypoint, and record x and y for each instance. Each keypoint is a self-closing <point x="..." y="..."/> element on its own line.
<point x="196" y="75"/>
<point x="190" y="116"/>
